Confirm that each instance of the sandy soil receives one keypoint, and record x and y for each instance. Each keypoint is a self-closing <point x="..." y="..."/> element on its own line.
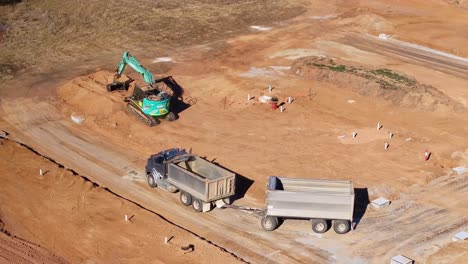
<point x="87" y="222"/>
<point x="428" y="198"/>
<point x="17" y="250"/>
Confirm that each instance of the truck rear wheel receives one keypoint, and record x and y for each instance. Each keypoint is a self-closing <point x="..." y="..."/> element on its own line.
<point x="269" y="223"/>
<point x="197" y="205"/>
<point x="319" y="225"/>
<point x="185" y="198"/>
<point x="171" y="188"/>
<point x="151" y="181"/>
<point x="341" y="226"/>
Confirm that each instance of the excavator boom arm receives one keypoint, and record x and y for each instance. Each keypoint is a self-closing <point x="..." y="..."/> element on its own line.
<point x="128" y="59"/>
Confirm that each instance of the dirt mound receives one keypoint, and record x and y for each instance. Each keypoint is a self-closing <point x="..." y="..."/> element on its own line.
<point x="87" y="97"/>
<point x="397" y="88"/>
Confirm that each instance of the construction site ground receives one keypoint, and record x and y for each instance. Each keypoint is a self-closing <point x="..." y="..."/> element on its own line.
<point x="348" y="65"/>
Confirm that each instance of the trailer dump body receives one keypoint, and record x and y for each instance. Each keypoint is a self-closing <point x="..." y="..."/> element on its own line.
<point x="306" y="198"/>
<point x="202" y="179"/>
<point x="321" y="201"/>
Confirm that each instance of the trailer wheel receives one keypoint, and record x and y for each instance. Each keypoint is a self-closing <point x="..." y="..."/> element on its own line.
<point x="269" y="223"/>
<point x="319" y="225"/>
<point x="197" y="205"/>
<point x="341" y="226"/>
<point x="185" y="198"/>
<point x="151" y="181"/>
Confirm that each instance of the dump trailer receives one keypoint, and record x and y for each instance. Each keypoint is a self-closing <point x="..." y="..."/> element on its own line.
<point x="323" y="202"/>
<point x="201" y="183"/>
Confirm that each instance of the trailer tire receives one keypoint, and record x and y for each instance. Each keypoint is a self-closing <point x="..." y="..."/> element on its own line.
<point x="197" y="205"/>
<point x="341" y="226"/>
<point x="151" y="181"/>
<point x="270" y="223"/>
<point x="319" y="225"/>
<point x="185" y="198"/>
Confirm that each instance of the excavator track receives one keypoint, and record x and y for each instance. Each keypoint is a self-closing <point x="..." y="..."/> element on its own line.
<point x="136" y="111"/>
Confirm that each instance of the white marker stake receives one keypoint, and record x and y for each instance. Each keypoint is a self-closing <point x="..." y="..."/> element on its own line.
<point x="354" y="134"/>
<point x="40" y="172"/>
<point x="165" y="240"/>
<point x="281" y="109"/>
<point x="289" y="100"/>
<point x="248" y="97"/>
<point x="378" y="126"/>
<point x="390" y="135"/>
<point x="386" y="145"/>
<point x="126" y="218"/>
<point x="270" y="88"/>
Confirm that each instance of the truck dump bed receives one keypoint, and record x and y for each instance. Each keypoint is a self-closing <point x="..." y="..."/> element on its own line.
<point x="307" y="198"/>
<point x="203" y="179"/>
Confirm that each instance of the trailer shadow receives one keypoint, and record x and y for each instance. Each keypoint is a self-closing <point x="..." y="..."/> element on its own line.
<point x="243" y="184"/>
<point x="179" y="103"/>
<point x="361" y="200"/>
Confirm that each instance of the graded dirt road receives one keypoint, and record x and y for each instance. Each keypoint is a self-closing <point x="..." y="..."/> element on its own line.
<point x="110" y="147"/>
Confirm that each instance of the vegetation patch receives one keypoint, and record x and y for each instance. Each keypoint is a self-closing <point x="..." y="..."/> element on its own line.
<point x="382" y="83"/>
<point x="337" y="68"/>
<point x="387" y="78"/>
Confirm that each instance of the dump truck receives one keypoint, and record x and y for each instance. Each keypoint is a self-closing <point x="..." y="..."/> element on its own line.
<point x="323" y="202"/>
<point x="201" y="183"/>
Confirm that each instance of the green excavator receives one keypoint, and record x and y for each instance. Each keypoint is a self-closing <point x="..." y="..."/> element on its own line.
<point x="148" y="102"/>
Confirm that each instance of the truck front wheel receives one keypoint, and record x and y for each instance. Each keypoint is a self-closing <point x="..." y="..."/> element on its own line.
<point x="151" y="181"/>
<point x="341" y="226"/>
<point x="319" y="225"/>
<point x="197" y="205"/>
<point x="270" y="223"/>
<point x="185" y="198"/>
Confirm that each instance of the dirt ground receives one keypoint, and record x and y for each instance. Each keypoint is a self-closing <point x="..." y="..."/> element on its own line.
<point x="348" y="65"/>
<point x="88" y="223"/>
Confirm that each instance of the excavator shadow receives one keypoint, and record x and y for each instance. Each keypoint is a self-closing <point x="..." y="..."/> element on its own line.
<point x="179" y="102"/>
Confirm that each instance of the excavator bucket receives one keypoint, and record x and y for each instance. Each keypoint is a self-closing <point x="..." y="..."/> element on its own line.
<point x="117" y="86"/>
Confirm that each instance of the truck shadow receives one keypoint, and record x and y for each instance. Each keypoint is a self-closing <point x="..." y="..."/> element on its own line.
<point x="178" y="103"/>
<point x="361" y="200"/>
<point x="242" y="184"/>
